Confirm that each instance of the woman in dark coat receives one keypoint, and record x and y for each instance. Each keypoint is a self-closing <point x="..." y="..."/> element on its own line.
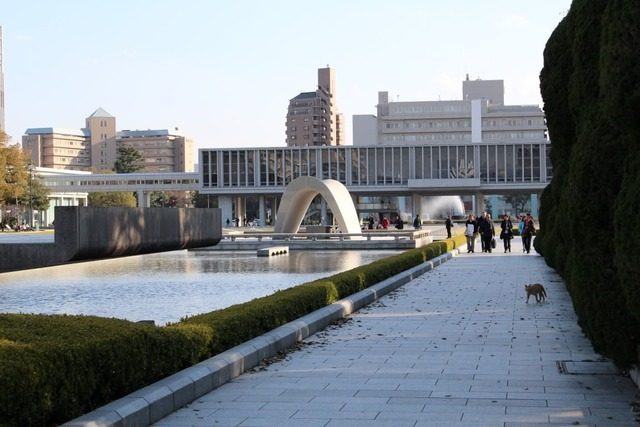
<point x="485" y="226"/>
<point x="506" y="233"/>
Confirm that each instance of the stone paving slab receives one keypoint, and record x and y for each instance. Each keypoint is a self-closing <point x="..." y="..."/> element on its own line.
<point x="456" y="346"/>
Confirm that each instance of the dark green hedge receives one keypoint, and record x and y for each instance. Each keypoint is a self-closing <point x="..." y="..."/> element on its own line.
<point x="591" y="90"/>
<point x="55" y="368"/>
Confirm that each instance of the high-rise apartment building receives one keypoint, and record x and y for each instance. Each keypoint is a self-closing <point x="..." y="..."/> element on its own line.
<point x="313" y="118"/>
<point x="480" y="116"/>
<point x="96" y="146"/>
<point x="2" y="125"/>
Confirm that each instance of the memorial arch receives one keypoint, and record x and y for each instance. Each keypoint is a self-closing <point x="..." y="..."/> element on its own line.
<point x="298" y="197"/>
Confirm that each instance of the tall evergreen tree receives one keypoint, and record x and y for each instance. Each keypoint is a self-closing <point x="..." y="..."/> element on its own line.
<point x="129" y="160"/>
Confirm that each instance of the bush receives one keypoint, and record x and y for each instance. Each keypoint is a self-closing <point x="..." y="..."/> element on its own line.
<point x="589" y="85"/>
<point x="53" y="368"/>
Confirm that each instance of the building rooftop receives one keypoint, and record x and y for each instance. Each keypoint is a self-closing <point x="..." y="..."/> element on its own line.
<point x="147" y="133"/>
<point x="306" y="95"/>
<point x="100" y="112"/>
<point x="58" y="131"/>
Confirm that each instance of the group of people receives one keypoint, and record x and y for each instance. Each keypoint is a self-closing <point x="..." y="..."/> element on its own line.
<point x="484" y="227"/>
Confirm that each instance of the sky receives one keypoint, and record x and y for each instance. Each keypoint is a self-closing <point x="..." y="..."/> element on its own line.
<point x="223" y="71"/>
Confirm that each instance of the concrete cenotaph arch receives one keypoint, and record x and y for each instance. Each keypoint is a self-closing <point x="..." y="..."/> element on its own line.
<point x="298" y="197"/>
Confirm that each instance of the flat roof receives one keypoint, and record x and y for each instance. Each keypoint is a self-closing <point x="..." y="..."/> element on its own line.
<point x="59" y="131"/>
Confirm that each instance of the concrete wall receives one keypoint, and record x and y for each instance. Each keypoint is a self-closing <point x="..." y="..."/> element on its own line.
<point x="83" y="233"/>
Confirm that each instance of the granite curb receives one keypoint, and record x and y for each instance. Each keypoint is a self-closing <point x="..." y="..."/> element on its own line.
<point x="152" y="403"/>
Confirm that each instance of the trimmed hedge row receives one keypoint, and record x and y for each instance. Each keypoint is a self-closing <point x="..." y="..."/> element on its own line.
<point x="54" y="368"/>
<point x="591" y="95"/>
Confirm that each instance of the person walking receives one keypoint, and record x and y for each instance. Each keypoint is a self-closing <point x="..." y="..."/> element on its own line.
<point x="506" y="232"/>
<point x="385" y="223"/>
<point x="521" y="230"/>
<point x="448" y="225"/>
<point x="480" y="220"/>
<point x="487" y="231"/>
<point x="529" y="230"/>
<point x="470" y="232"/>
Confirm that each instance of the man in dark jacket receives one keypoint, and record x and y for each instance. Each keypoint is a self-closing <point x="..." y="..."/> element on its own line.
<point x="486" y="231"/>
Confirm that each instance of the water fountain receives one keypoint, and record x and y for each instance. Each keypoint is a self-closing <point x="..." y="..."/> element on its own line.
<point x="438" y="207"/>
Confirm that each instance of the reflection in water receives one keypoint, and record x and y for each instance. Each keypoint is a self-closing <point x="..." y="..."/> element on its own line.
<point x="167" y="286"/>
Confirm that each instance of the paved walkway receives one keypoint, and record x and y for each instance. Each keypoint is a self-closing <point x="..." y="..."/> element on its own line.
<point x="458" y="346"/>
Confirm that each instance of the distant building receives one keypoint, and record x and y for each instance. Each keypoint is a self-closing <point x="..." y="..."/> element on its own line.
<point x="96" y="146"/>
<point x="2" y="125"/>
<point x="480" y="116"/>
<point x="312" y="117"/>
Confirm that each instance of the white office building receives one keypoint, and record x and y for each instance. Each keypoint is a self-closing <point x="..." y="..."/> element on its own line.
<point x="479" y="116"/>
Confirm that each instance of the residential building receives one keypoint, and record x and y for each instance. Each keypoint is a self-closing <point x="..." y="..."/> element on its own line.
<point x="480" y="116"/>
<point x="57" y="148"/>
<point x="313" y="118"/>
<point x="95" y="147"/>
<point x="161" y="149"/>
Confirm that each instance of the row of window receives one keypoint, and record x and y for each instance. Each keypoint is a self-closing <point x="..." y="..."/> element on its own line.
<point x="396" y="108"/>
<point x="500" y="163"/>
<point x="521" y="122"/>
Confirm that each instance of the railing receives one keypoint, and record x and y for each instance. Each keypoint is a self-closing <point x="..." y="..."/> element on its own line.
<point x="367" y="235"/>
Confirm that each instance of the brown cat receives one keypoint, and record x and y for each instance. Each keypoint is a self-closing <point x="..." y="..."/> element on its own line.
<point x="537" y="290"/>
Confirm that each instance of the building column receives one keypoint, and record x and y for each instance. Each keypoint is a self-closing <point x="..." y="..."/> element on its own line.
<point x="144" y="199"/>
<point x="225" y="204"/>
<point x="478" y="203"/>
<point x="262" y="214"/>
<point x="534" y="205"/>
<point x="417" y="205"/>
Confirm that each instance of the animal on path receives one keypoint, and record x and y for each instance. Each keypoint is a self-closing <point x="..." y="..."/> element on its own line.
<point x="537" y="290"/>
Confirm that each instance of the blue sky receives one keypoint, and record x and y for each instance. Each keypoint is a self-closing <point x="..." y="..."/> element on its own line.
<point x="223" y="72"/>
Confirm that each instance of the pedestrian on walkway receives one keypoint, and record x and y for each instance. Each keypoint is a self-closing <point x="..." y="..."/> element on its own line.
<point x="487" y="231"/>
<point x="506" y="232"/>
<point x="385" y="223"/>
<point x="521" y="230"/>
<point x="480" y="220"/>
<point x="417" y="222"/>
<point x="448" y="225"/>
<point x="470" y="232"/>
<point x="529" y="230"/>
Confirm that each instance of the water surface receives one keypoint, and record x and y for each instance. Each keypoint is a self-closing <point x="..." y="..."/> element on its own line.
<point x="167" y="286"/>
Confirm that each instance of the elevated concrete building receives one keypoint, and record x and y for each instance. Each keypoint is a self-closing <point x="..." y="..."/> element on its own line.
<point x="96" y="146"/>
<point x="313" y="118"/>
<point x="480" y="116"/>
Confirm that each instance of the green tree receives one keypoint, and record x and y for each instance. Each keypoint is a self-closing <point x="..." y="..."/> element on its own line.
<point x="516" y="201"/>
<point x="14" y="174"/>
<point x="39" y="194"/>
<point x="112" y="199"/>
<point x="129" y="160"/>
